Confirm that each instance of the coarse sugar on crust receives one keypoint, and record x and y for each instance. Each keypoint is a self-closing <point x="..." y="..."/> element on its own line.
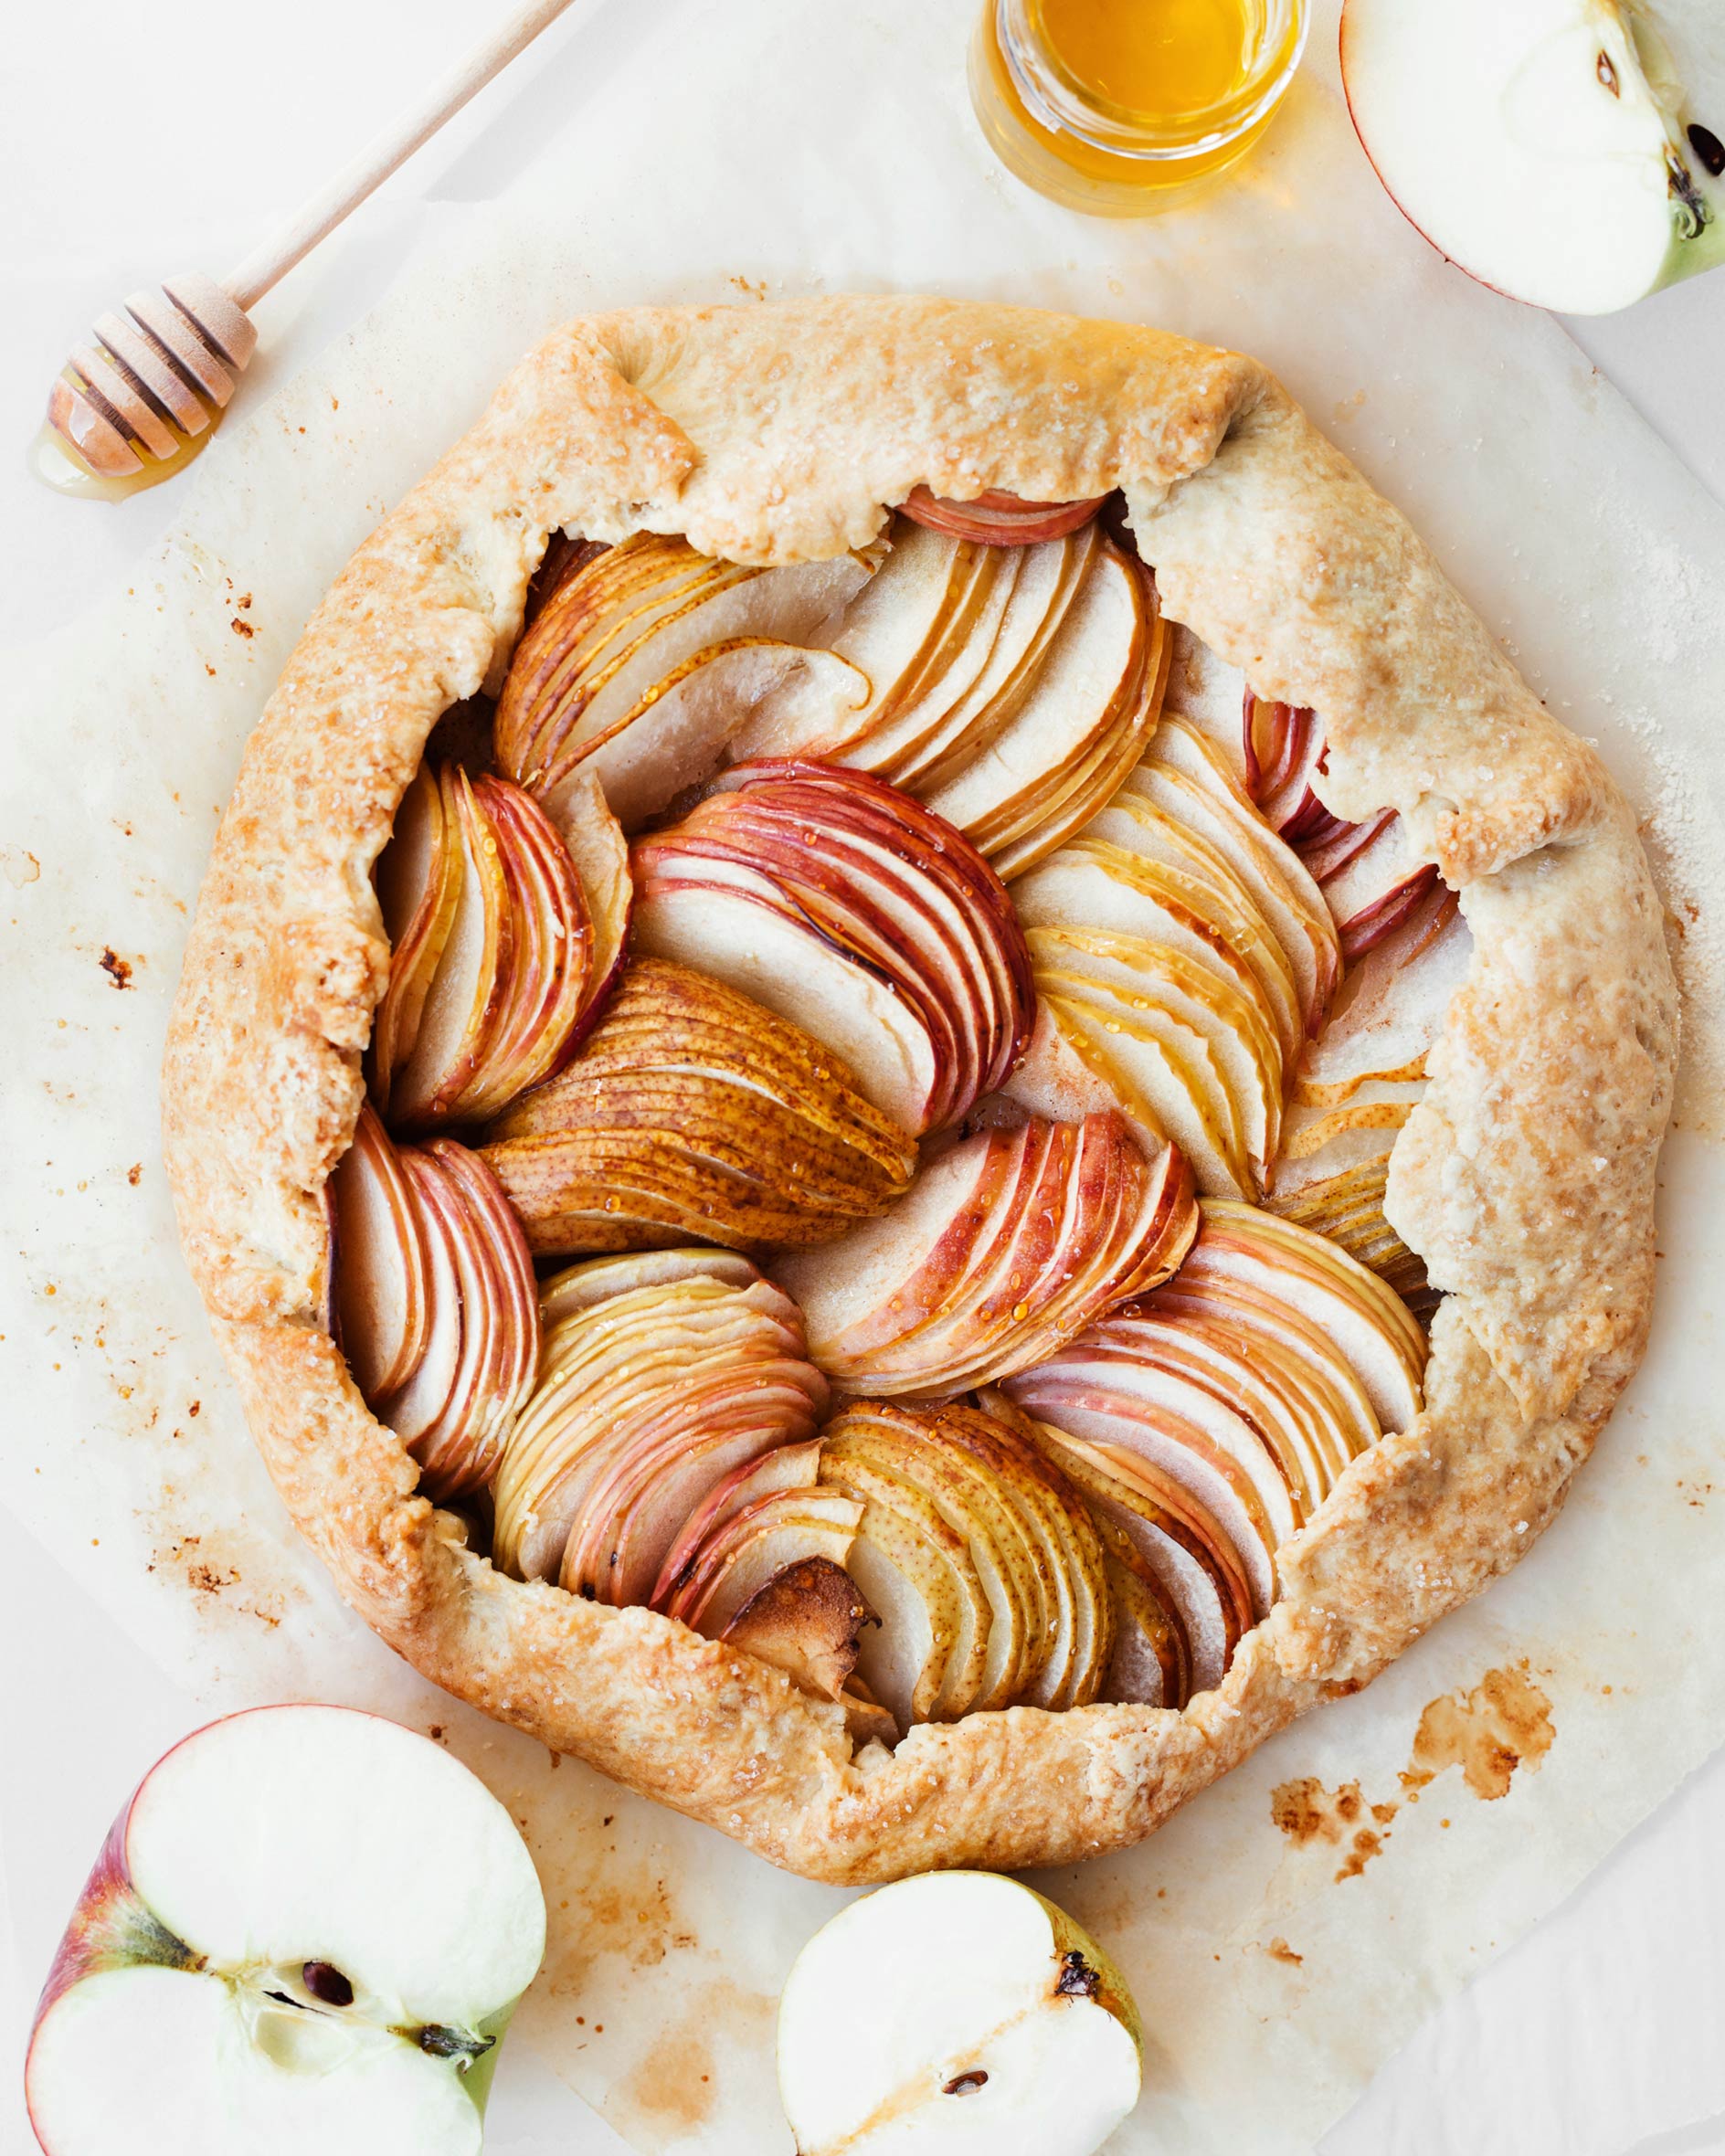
<point x="1525" y="1177"/>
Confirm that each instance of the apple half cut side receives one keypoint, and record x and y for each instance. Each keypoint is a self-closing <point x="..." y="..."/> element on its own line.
<point x="997" y="518"/>
<point x="1548" y="148"/>
<point x="995" y="2025"/>
<point x="255" y="1961"/>
<point x="691" y="1112"/>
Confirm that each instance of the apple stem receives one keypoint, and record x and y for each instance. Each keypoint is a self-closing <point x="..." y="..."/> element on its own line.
<point x="446" y="2043"/>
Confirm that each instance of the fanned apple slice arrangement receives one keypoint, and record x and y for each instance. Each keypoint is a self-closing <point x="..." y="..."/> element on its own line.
<point x="965" y="1088"/>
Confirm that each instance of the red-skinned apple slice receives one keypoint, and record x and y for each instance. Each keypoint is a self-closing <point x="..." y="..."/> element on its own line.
<point x="752" y="1547"/>
<point x="380" y="1284"/>
<point x="745" y="889"/>
<point x="1167" y="1452"/>
<point x="1190" y="1558"/>
<point x="1368" y="1322"/>
<point x="787" y="1467"/>
<point x="997" y="518"/>
<point x="254" y="1961"/>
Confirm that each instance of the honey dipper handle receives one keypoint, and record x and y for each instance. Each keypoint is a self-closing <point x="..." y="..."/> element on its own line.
<point x="316" y="219"/>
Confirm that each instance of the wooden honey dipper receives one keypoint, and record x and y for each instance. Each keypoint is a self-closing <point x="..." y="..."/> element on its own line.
<point x="142" y="397"/>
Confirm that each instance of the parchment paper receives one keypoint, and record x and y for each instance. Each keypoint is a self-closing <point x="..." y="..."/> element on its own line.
<point x="1287" y="1931"/>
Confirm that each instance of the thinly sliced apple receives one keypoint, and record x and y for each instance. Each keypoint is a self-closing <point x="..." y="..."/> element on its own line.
<point x="636" y="1383"/>
<point x="419" y="876"/>
<point x="693" y="1112"/>
<point x="807" y="1621"/>
<point x="646" y="659"/>
<point x="382" y="1290"/>
<point x="750" y="1549"/>
<point x="1347" y="1208"/>
<point x="599" y="853"/>
<point x="1093" y="667"/>
<point x="922" y="755"/>
<point x="891" y="633"/>
<point x="1369" y="1323"/>
<point x="997" y="518"/>
<point x="467" y="985"/>
<point x="1188" y="776"/>
<point x="782" y="883"/>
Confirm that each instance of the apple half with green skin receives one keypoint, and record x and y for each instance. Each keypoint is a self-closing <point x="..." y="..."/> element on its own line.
<point x="308" y="1929"/>
<point x="992" y="2022"/>
<point x="1544" y="146"/>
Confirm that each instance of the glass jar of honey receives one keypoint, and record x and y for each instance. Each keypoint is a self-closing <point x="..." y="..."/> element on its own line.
<point x="1124" y="107"/>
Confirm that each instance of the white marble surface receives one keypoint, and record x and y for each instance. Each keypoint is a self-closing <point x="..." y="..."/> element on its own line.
<point x="122" y="159"/>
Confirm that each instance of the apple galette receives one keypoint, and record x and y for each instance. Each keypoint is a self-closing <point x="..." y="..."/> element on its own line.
<point x="911" y="1089"/>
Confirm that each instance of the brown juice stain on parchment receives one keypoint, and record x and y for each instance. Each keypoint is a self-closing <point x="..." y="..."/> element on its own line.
<point x="676" y="2084"/>
<point x="1308" y="1813"/>
<point x="1504" y="1723"/>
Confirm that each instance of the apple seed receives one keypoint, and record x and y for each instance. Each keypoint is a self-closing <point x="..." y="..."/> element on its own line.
<point x="326" y="1983"/>
<point x="964" y="2083"/>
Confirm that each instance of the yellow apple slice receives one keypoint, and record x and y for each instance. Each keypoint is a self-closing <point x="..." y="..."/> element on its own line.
<point x="1094" y="663"/>
<point x="1188" y="776"/>
<point x="419" y="878"/>
<point x="1050" y="577"/>
<point x="1162" y="1070"/>
<point x="1147" y="843"/>
<point x="892" y="633"/>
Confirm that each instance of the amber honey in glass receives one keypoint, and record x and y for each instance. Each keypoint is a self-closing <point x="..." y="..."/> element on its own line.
<point x="1125" y="107"/>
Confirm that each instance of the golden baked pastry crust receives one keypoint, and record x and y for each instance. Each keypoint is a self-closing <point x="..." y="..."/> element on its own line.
<point x="1525" y="1177"/>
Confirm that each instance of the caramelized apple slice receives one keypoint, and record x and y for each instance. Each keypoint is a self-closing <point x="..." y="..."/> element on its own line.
<point x="807" y="1621"/>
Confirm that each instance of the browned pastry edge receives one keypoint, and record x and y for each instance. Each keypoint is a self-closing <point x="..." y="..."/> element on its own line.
<point x="1525" y="1177"/>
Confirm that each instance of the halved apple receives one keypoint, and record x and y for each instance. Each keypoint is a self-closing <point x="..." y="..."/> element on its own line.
<point x="643" y="662"/>
<point x="832" y="898"/>
<point x="997" y="518"/>
<point x="1001" y="2026"/>
<point x="255" y="1962"/>
<point x="691" y="1112"/>
<point x="1550" y="149"/>
<point x="1010" y="1242"/>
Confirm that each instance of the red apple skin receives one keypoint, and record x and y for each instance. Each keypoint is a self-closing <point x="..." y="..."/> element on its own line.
<point x="1000" y="519"/>
<point x="108" y="1928"/>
